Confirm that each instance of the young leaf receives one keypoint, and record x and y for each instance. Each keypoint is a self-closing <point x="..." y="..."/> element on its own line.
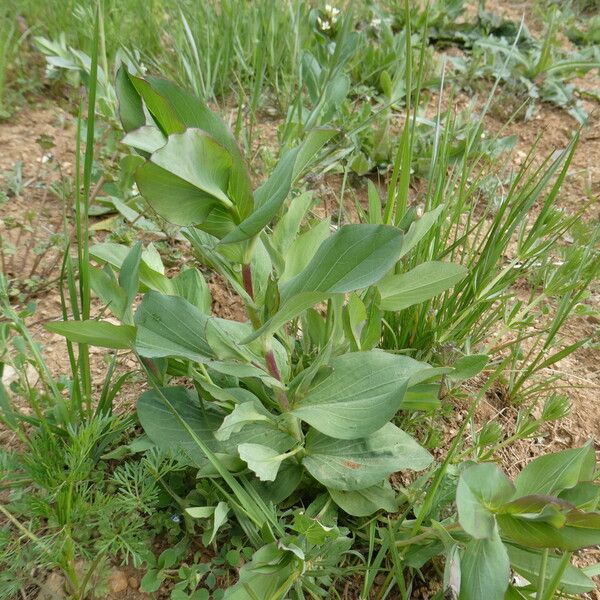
<point x="191" y="285"/>
<point x="219" y="518"/>
<point x="362" y="394"/>
<point x="355" y="257"/>
<point x="263" y="460"/>
<point x="553" y="473"/>
<point x="242" y="414"/>
<point x="356" y="464"/>
<point x="107" y="289"/>
<point x="303" y="248"/>
<point x="485" y="570"/>
<point x="481" y="489"/>
<point x="200" y="512"/>
<point x="419" y="284"/>
<point x="129" y="274"/>
<point x="95" y="333"/>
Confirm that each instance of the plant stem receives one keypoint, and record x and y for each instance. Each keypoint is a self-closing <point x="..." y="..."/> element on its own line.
<point x="248" y="287"/>
<point x="542" y="575"/>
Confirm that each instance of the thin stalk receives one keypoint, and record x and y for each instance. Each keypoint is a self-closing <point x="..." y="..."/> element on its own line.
<point x="542" y="575"/>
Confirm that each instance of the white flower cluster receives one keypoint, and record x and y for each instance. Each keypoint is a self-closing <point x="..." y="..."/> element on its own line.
<point x="329" y="18"/>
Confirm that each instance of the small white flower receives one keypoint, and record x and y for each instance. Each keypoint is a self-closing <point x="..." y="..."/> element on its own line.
<point x="324" y="25"/>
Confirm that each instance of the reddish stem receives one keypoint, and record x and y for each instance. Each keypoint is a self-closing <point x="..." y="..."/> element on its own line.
<point x="247" y="279"/>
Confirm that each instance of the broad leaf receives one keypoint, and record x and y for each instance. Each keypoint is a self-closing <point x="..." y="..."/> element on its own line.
<point x="362" y="503"/>
<point x="303" y="248"/>
<point x="147" y="138"/>
<point x="485" y="570"/>
<point x="171" y="326"/>
<point x="527" y="564"/>
<point x="419" y="284"/>
<point x="580" y="530"/>
<point x="468" y="366"/>
<point x="355" y="257"/>
<point x="242" y="414"/>
<point x="361" y="395"/>
<point x="95" y="333"/>
<point x="481" y="489"/>
<point x="556" y="472"/>
<point x="186" y="178"/>
<point x="151" y="270"/>
<point x="131" y="109"/>
<point x="165" y="429"/>
<point x="191" y="285"/>
<point x="263" y="460"/>
<point x="357" y="464"/>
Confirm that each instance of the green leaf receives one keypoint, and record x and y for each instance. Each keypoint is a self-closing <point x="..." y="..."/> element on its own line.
<point x="129" y="273"/>
<point x="553" y="473"/>
<point x="270" y="196"/>
<point x="485" y="570"/>
<point x="242" y="414"/>
<point x="288" y="479"/>
<point x="481" y="489"/>
<point x="171" y="326"/>
<point x="419" y="229"/>
<point x="191" y="285"/>
<point x="303" y="248"/>
<point x="147" y="138"/>
<point x="291" y="309"/>
<point x="362" y="503"/>
<point x="263" y="460"/>
<point x="581" y="530"/>
<point x="355" y="257"/>
<point x="186" y="178"/>
<point x="152" y="580"/>
<point x="166" y="430"/>
<point x="95" y="333"/>
<point x="169" y="430"/>
<point x="468" y="366"/>
<point x="419" y="284"/>
<point x="268" y="200"/>
<point x="107" y="289"/>
<point x="527" y="564"/>
<point x="268" y="575"/>
<point x="198" y="159"/>
<point x="425" y="396"/>
<point x="173" y="198"/>
<point x="151" y="270"/>
<point x="219" y="519"/>
<point x="356" y="464"/>
<point x="131" y="111"/>
<point x="361" y="395"/>
<point x="158" y="106"/>
<point x="585" y="495"/>
<point x="200" y="512"/>
<point x="286" y="228"/>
